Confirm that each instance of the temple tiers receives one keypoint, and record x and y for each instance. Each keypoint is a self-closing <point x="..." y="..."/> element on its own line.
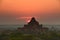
<point x="32" y="27"/>
<point x="32" y="24"/>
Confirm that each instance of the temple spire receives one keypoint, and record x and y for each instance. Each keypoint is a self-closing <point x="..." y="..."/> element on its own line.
<point x="33" y="21"/>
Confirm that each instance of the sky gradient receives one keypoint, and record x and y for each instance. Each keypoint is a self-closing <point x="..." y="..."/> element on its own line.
<point x="20" y="11"/>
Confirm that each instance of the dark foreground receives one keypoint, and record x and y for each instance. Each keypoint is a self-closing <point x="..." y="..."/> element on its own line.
<point x="15" y="35"/>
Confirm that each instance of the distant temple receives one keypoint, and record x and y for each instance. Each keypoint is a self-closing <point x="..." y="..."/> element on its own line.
<point x="32" y="27"/>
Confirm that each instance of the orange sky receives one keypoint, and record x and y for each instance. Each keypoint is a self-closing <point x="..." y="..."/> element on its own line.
<point x="29" y="5"/>
<point x="21" y="8"/>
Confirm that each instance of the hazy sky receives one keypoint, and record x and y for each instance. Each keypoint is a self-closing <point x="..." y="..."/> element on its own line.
<point x="20" y="11"/>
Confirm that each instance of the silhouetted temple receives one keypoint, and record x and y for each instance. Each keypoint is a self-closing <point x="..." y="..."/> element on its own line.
<point x="33" y="22"/>
<point x="32" y="27"/>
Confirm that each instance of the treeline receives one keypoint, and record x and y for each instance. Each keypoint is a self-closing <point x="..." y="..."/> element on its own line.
<point x="50" y="35"/>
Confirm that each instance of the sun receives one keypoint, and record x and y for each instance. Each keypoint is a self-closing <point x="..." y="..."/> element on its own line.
<point x="28" y="20"/>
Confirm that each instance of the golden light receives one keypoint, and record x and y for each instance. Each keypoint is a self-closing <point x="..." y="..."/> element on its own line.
<point x="28" y="21"/>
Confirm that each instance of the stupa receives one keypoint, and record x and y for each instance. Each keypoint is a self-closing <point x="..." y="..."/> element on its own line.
<point x="32" y="27"/>
<point x="33" y="22"/>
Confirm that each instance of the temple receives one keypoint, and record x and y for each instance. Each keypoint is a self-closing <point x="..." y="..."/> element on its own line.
<point x="32" y="27"/>
<point x="33" y="22"/>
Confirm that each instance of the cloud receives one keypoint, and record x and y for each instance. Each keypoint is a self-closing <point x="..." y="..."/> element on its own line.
<point x="24" y="17"/>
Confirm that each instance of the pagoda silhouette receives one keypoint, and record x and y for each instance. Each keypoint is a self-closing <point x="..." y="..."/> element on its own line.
<point x="32" y="27"/>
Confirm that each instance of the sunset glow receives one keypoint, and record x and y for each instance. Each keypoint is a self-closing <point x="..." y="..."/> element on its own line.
<point x="19" y="10"/>
<point x="28" y="21"/>
<point x="28" y="6"/>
